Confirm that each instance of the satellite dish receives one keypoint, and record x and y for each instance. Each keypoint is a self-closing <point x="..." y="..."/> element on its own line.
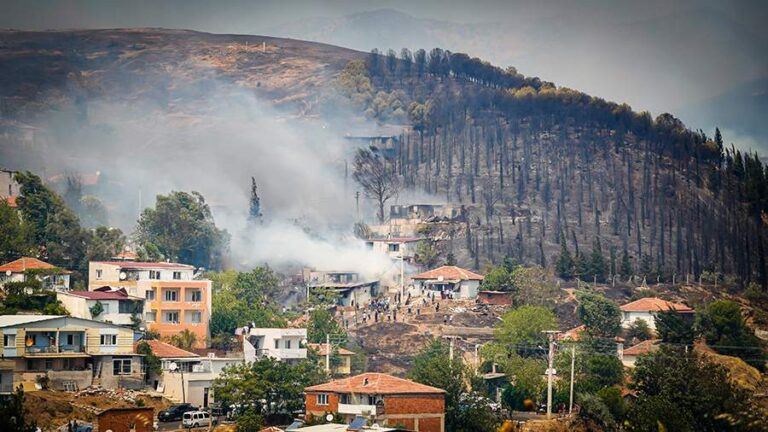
<point x="329" y="417"/>
<point x="8" y="272"/>
<point x="173" y="367"/>
<point x="123" y="275"/>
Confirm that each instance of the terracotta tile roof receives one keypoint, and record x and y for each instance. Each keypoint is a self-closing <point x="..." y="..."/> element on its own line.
<point x="643" y="347"/>
<point x="322" y="349"/>
<point x="449" y="273"/>
<point x="11" y="200"/>
<point x="654" y="304"/>
<point x="147" y="265"/>
<point x="573" y="334"/>
<point x="375" y="383"/>
<point x="166" y="350"/>
<point x="26" y="263"/>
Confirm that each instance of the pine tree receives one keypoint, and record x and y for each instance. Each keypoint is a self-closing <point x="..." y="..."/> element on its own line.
<point x="580" y="266"/>
<point x="254" y="211"/>
<point x="564" y="265"/>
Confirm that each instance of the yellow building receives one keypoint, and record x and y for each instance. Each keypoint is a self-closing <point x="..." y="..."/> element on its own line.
<point x="344" y="365"/>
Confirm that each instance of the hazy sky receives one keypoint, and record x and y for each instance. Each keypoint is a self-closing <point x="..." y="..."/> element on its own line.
<point x="705" y="61"/>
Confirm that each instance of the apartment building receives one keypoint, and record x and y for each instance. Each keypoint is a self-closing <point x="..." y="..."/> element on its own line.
<point x="73" y="352"/>
<point x="389" y="400"/>
<point x="175" y="299"/>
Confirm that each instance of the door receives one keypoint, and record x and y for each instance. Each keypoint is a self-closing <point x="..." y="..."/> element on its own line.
<point x="205" y="397"/>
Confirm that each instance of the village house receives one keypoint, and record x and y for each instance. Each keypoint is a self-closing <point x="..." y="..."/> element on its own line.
<point x="498" y="298"/>
<point x="385" y="399"/>
<point x="405" y="220"/>
<point x="9" y="187"/>
<point x="51" y="277"/>
<point x="111" y="305"/>
<point x="73" y="352"/>
<point x="647" y="308"/>
<point x="283" y="344"/>
<point x="187" y="377"/>
<point x="631" y="354"/>
<point x="344" y="358"/>
<point x="449" y="281"/>
<point x="395" y="247"/>
<point x="351" y="288"/>
<point x="175" y="299"/>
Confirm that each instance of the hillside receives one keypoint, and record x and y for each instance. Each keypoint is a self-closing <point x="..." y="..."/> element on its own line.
<point x="540" y="169"/>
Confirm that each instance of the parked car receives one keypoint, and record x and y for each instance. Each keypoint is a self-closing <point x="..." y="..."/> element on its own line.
<point x="195" y="419"/>
<point x="175" y="412"/>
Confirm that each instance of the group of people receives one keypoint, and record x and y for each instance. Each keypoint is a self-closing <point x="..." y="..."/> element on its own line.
<point x="390" y="309"/>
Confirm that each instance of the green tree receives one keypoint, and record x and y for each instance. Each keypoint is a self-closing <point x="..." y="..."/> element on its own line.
<point x="564" y="265"/>
<point x="14" y="417"/>
<point x="601" y="316"/>
<point x="14" y="235"/>
<point x="498" y="279"/>
<point x="151" y="361"/>
<point x="638" y="329"/>
<point x="680" y="390"/>
<point x="185" y="340"/>
<point x="464" y="411"/>
<point x="427" y="254"/>
<point x="626" y="264"/>
<point x="597" y="264"/>
<point x="322" y="323"/>
<point x="724" y="328"/>
<point x="524" y="326"/>
<point x="97" y="309"/>
<point x="673" y="327"/>
<point x="595" y="413"/>
<point x="533" y="286"/>
<point x="105" y="243"/>
<point x="231" y="312"/>
<point x="181" y="227"/>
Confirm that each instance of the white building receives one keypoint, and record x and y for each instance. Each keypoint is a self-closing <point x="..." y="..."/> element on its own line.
<point x="117" y="306"/>
<point x="647" y="308"/>
<point x="187" y="377"/>
<point x="395" y="247"/>
<point x="350" y="286"/>
<point x="449" y="281"/>
<point x="51" y="277"/>
<point x="630" y="355"/>
<point x="284" y="344"/>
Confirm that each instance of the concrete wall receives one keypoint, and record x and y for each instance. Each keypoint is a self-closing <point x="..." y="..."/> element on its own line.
<point x="126" y="420"/>
<point x="630" y="317"/>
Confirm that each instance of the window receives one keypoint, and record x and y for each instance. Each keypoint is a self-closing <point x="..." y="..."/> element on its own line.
<point x="154" y="274"/>
<point x="69" y="364"/>
<point x="48" y="364"/>
<point x="277" y="343"/>
<point x="149" y="294"/>
<point x="193" y="317"/>
<point x="121" y="367"/>
<point x="152" y="316"/>
<point x="344" y="398"/>
<point x="372" y="400"/>
<point x="171" y="317"/>
<point x="108" y="340"/>
<point x="394" y="247"/>
<point x="195" y="296"/>
<point x="125" y="307"/>
<point x="172" y="295"/>
<point x="9" y="340"/>
<point x="177" y="275"/>
<point x="70" y="339"/>
<point x="98" y="274"/>
<point x="288" y="344"/>
<point x="322" y="399"/>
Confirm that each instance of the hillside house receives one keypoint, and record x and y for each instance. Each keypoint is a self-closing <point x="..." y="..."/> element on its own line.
<point x="449" y="281"/>
<point x="73" y="352"/>
<point x="388" y="400"/>
<point x="630" y="355"/>
<point x="498" y="298"/>
<point x="283" y="344"/>
<point x="51" y="277"/>
<point x="344" y="356"/>
<point x="647" y="308"/>
<point x="187" y="377"/>
<point x="9" y="187"/>
<point x="395" y="247"/>
<point x="116" y="305"/>
<point x="350" y="286"/>
<point x="175" y="298"/>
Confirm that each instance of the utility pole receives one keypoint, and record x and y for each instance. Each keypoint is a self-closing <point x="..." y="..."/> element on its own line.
<point x="328" y="353"/>
<point x="357" y="204"/>
<point x="550" y="368"/>
<point x="450" y="349"/>
<point x="402" y="271"/>
<point x="573" y="364"/>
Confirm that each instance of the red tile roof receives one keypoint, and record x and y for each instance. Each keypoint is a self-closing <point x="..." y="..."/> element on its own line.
<point x="322" y="349"/>
<point x="101" y="294"/>
<point x="643" y="347"/>
<point x="147" y="265"/>
<point x="11" y="200"/>
<point x="573" y="334"/>
<point x="654" y="304"/>
<point x="165" y="350"/>
<point x="375" y="383"/>
<point x="449" y="273"/>
<point x="26" y="263"/>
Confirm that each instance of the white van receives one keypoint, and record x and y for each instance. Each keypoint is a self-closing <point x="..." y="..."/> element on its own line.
<point x="195" y="419"/>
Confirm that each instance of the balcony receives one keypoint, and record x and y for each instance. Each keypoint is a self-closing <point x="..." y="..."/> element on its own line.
<point x="357" y="409"/>
<point x="283" y="353"/>
<point x="53" y="350"/>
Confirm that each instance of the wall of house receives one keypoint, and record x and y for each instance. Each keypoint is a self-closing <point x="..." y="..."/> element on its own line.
<point x="107" y="379"/>
<point x="468" y="289"/>
<point x="313" y="408"/>
<point x="495" y="299"/>
<point x="630" y="317"/>
<point x="185" y="308"/>
<point x="421" y="413"/>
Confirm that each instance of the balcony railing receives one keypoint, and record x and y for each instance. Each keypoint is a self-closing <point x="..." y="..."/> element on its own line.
<point x="357" y="409"/>
<point x="54" y="349"/>
<point x="283" y="353"/>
